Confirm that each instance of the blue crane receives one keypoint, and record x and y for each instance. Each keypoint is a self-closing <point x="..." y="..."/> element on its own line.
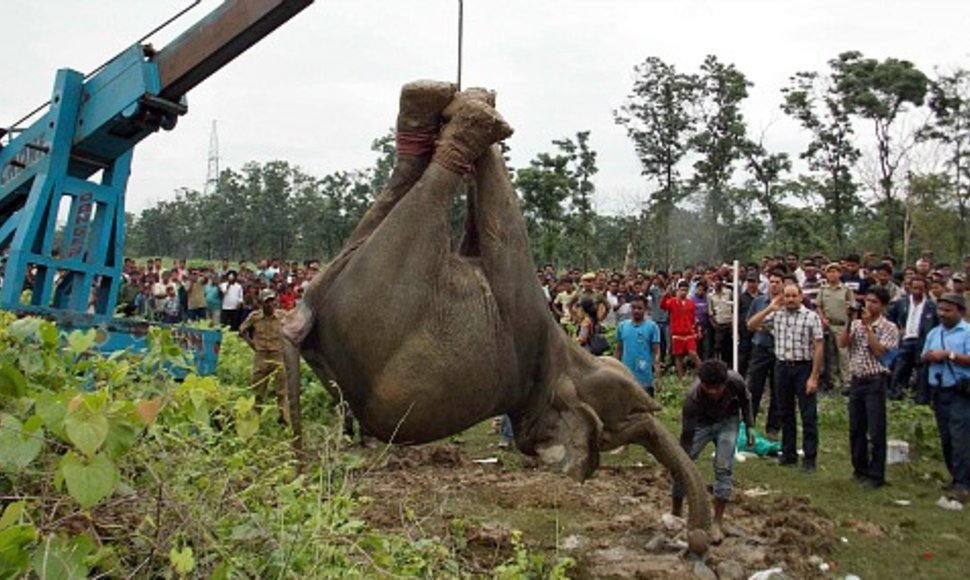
<point x="77" y="151"/>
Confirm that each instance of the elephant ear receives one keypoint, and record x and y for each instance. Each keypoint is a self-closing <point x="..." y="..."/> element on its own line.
<point x="567" y="434"/>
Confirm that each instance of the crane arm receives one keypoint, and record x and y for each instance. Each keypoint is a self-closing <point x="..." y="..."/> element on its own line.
<point x="214" y="41"/>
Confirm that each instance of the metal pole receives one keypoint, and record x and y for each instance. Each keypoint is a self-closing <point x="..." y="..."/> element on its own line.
<point x="461" y="26"/>
<point x="736" y="299"/>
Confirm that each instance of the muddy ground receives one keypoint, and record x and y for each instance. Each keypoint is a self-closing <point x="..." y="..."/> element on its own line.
<point x="613" y="525"/>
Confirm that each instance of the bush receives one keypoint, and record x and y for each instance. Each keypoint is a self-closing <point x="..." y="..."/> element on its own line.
<point x="109" y="466"/>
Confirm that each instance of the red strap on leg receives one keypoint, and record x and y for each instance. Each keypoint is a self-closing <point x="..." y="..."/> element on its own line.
<point x="416" y="144"/>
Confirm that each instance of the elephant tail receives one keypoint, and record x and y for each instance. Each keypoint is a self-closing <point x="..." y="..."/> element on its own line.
<point x="296" y="326"/>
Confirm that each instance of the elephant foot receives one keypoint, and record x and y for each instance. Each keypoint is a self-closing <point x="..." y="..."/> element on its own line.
<point x="422" y="103"/>
<point x="470" y="94"/>
<point x="473" y="128"/>
<point x="698" y="541"/>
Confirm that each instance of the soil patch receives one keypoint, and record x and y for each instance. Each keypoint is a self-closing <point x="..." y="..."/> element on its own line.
<point x="612" y="525"/>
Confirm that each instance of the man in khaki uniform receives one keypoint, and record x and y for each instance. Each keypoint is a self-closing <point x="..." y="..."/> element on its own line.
<point x="195" y="288"/>
<point x="832" y="304"/>
<point x="261" y="330"/>
<point x="587" y="291"/>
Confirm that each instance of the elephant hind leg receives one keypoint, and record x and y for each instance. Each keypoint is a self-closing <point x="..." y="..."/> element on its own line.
<point x="474" y="128"/>
<point x="469" y="243"/>
<point x="418" y="122"/>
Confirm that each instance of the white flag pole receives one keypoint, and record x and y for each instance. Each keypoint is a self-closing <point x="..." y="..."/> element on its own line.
<point x="736" y="299"/>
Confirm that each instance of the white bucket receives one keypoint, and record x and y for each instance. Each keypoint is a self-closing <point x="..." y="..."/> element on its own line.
<point x="897" y="451"/>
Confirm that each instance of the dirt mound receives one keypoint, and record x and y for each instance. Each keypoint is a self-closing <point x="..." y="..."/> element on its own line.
<point x="401" y="458"/>
<point x="612" y="525"/>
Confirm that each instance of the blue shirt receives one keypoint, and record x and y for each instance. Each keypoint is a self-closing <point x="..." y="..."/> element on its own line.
<point x="947" y="373"/>
<point x="637" y="342"/>
<point x="762" y="337"/>
<point x="212" y="299"/>
<point x="700" y="305"/>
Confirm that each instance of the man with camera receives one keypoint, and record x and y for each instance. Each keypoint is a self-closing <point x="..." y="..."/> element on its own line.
<point x="869" y="337"/>
<point x="947" y="351"/>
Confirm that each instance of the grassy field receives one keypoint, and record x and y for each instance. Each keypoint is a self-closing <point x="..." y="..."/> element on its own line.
<point x="875" y="537"/>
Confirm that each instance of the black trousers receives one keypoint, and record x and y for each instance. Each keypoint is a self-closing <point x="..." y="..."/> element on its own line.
<point x="231" y="318"/>
<point x="906" y="363"/>
<point x="705" y="347"/>
<point x="761" y="372"/>
<point x="724" y="343"/>
<point x="790" y="379"/>
<point x="744" y="354"/>
<point x="867" y="426"/>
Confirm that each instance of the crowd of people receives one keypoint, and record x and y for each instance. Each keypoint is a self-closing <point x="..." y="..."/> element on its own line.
<point x="223" y="293"/>
<point x="863" y="327"/>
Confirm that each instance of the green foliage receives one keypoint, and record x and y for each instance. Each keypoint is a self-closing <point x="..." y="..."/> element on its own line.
<point x="720" y="90"/>
<point x="657" y="118"/>
<point x="880" y="91"/>
<point x="14" y="539"/>
<point x="19" y="443"/>
<point x="269" y="209"/>
<point x="88" y="480"/>
<point x="524" y="564"/>
<point x="556" y="197"/>
<point x="949" y="126"/>
<point x="61" y="557"/>
<point x="114" y="468"/>
<point x="182" y="560"/>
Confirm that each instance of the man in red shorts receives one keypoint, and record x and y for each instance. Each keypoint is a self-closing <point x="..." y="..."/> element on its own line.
<point x="683" y="327"/>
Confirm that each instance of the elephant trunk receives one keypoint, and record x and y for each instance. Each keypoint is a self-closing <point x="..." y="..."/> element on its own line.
<point x="662" y="445"/>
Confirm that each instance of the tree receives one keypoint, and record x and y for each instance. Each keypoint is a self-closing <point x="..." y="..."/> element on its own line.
<point x="544" y="186"/>
<point x="720" y="90"/>
<point x="657" y="118"/>
<point x="582" y="166"/>
<point x="767" y="186"/>
<point x="880" y="92"/>
<point x="555" y="193"/>
<point x="950" y="125"/>
<point x="931" y="223"/>
<point x="816" y="104"/>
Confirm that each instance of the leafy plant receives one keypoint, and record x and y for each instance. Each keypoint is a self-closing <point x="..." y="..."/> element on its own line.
<point x="115" y="469"/>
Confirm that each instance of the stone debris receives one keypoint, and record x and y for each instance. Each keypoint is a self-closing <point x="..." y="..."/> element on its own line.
<point x="673" y="523"/>
<point x="730" y="570"/>
<point x="572" y="542"/>
<point x="703" y="572"/>
<point x="949" y="504"/>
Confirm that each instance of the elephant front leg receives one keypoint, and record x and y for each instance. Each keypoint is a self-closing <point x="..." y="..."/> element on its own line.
<point x="503" y="241"/>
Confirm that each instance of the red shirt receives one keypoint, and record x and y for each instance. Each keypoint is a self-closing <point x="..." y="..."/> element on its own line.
<point x="287" y="299"/>
<point x="682" y="315"/>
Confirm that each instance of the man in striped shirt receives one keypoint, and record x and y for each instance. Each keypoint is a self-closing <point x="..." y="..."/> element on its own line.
<point x="799" y="353"/>
<point x="869" y="337"/>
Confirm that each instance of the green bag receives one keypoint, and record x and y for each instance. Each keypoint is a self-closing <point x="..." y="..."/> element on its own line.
<point x="762" y="446"/>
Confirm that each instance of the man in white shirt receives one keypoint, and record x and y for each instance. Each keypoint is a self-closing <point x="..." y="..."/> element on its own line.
<point x="914" y="315"/>
<point x="232" y="300"/>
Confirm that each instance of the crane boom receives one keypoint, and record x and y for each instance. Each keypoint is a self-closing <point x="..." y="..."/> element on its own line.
<point x="224" y="34"/>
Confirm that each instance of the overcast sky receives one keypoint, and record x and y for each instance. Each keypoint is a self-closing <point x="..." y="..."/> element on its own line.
<point x="318" y="90"/>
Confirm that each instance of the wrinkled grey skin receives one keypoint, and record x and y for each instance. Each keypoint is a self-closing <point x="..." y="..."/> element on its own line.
<point x="425" y="343"/>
